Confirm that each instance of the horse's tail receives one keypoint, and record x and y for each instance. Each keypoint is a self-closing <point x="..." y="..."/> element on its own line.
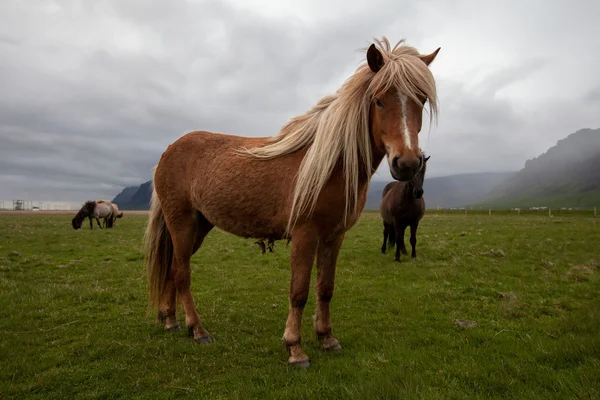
<point x="158" y="250"/>
<point x="392" y="237"/>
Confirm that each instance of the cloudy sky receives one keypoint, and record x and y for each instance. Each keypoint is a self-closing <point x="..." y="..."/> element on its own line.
<point x="92" y="92"/>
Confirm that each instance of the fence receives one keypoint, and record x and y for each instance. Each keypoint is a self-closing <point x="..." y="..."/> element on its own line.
<point x="36" y="205"/>
<point x="539" y="211"/>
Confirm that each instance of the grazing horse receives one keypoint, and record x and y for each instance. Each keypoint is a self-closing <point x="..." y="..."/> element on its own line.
<point x="94" y="209"/>
<point x="308" y="183"/>
<point x="403" y="205"/>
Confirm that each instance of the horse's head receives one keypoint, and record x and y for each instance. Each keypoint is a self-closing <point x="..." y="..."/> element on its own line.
<point x="417" y="181"/>
<point x="398" y="98"/>
<point x="76" y="222"/>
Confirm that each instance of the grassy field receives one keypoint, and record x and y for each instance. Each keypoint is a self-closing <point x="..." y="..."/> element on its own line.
<point x="74" y="323"/>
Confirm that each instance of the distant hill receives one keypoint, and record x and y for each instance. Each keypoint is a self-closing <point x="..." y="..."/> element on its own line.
<point x="126" y="195"/>
<point x="135" y="197"/>
<point x="567" y="175"/>
<point x="447" y="192"/>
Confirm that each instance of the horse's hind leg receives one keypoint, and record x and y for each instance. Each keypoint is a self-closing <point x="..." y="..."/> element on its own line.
<point x="187" y="230"/>
<point x="413" y="239"/>
<point x="327" y="254"/>
<point x="304" y="247"/>
<point x="167" y="313"/>
<point x="98" y="221"/>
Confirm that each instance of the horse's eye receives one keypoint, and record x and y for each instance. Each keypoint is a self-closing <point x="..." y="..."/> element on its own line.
<point x="424" y="101"/>
<point x="378" y="103"/>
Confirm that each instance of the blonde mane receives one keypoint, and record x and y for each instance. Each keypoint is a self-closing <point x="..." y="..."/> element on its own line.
<point x="338" y="126"/>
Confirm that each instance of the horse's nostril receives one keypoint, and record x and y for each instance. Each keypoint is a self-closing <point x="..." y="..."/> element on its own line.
<point x="395" y="162"/>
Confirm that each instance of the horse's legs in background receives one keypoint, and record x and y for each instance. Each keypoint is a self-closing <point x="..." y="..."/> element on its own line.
<point x="400" y="240"/>
<point x="386" y="231"/>
<point x="304" y="248"/>
<point x="402" y="245"/>
<point x="327" y="255"/>
<point x="98" y="221"/>
<point x="185" y="234"/>
<point x="413" y="239"/>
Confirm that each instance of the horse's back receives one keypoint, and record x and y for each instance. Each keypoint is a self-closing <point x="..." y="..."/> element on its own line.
<point x="203" y="171"/>
<point x="239" y="193"/>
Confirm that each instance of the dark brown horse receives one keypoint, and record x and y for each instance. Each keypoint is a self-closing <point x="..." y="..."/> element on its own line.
<point x="308" y="183"/>
<point x="402" y="205"/>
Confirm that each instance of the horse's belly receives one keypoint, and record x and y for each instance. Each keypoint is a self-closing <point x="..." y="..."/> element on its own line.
<point x="244" y="224"/>
<point x="101" y="211"/>
<point x="249" y="213"/>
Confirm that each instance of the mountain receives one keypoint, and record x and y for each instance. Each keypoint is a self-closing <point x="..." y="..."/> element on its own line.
<point x="126" y="195"/>
<point x="567" y="175"/>
<point x="447" y="192"/>
<point x="135" y="197"/>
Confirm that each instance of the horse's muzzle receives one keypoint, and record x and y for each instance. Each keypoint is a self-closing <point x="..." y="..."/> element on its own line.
<point x="418" y="193"/>
<point x="404" y="170"/>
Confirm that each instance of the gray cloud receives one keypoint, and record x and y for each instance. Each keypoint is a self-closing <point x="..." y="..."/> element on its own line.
<point x="93" y="92"/>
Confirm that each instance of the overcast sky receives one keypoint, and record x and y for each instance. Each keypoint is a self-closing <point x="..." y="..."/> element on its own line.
<point x="92" y="92"/>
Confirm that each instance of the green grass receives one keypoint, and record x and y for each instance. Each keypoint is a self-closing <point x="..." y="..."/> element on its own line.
<point x="73" y="320"/>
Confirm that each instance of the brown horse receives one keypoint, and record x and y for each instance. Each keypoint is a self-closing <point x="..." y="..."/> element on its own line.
<point x="308" y="184"/>
<point x="403" y="205"/>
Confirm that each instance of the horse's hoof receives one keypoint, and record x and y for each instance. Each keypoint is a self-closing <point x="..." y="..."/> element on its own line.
<point x="204" y="339"/>
<point x="175" y="328"/>
<point x="300" y="364"/>
<point x="336" y="347"/>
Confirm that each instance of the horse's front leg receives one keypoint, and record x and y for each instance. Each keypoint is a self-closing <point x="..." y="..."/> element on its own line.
<point x="303" y="252"/>
<point x="98" y="221"/>
<point x="386" y="231"/>
<point x="327" y="255"/>
<point x="91" y="223"/>
<point x="413" y="239"/>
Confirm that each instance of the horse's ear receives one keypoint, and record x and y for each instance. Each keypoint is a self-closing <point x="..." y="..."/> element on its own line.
<point x="428" y="59"/>
<point x="427" y="158"/>
<point x="374" y="58"/>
